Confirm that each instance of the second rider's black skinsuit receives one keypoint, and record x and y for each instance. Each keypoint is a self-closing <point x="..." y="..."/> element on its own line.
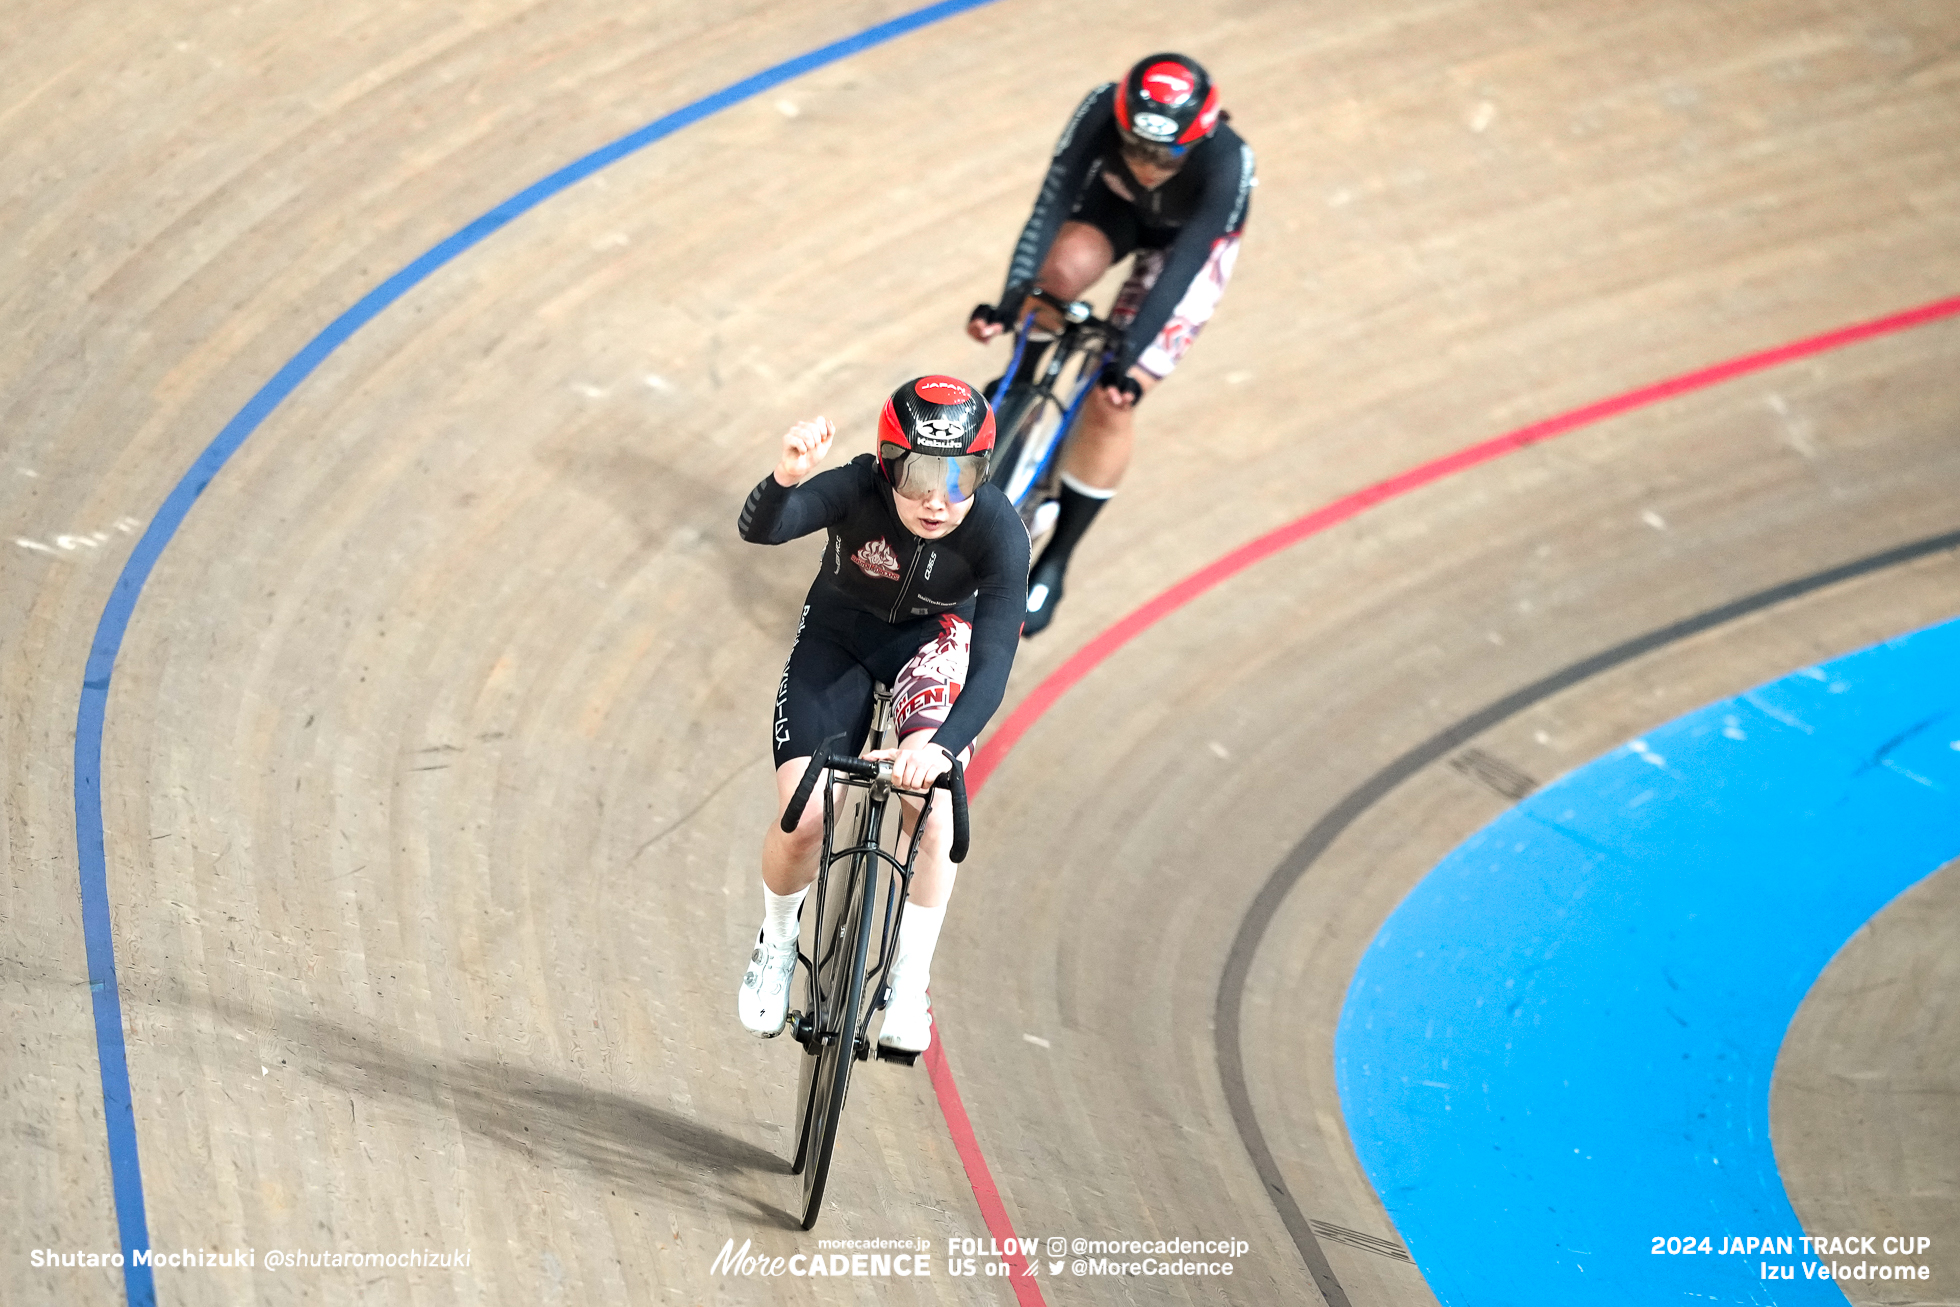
<point x="877" y="600"/>
<point x="1205" y="200"/>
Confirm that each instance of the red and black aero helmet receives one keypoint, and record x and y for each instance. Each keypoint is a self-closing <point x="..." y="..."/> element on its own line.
<point x="1166" y="105"/>
<point x="936" y="433"/>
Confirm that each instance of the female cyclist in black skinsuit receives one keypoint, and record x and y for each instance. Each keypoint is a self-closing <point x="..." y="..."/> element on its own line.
<point x="923" y="586"/>
<point x="1148" y="166"/>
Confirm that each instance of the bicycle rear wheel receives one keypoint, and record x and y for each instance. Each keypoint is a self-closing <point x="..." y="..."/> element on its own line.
<point x="847" y="949"/>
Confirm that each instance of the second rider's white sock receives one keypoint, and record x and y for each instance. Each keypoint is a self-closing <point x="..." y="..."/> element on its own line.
<point x="918" y="935"/>
<point x="779" y="915"/>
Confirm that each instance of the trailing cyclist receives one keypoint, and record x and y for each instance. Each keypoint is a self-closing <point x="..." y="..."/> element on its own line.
<point x="922" y="586"/>
<point x="1147" y="166"/>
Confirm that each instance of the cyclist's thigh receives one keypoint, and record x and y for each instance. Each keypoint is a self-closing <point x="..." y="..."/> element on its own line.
<point x="1194" y="307"/>
<point x="923" y="689"/>
<point x="824" y="700"/>
<point x="1110" y="214"/>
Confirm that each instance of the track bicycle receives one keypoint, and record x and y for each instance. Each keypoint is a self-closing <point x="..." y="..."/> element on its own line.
<point x="860" y="896"/>
<point x="1038" y="400"/>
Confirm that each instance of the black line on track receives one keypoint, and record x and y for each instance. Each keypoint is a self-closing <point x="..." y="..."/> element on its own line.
<point x="1252" y="927"/>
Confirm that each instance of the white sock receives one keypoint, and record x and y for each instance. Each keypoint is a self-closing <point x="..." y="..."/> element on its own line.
<point x="918" y="935"/>
<point x="779" y="914"/>
<point x="1084" y="488"/>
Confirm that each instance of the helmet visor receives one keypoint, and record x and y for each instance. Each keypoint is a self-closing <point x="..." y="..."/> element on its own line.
<point x="919" y="476"/>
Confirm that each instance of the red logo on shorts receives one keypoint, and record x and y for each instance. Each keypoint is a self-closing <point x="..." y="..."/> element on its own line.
<point x="876" y="560"/>
<point x="1168" y="84"/>
<point x="929" y="683"/>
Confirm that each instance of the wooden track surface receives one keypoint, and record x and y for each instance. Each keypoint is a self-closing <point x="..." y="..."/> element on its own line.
<point x="1865" y="1083"/>
<point x="436" y="758"/>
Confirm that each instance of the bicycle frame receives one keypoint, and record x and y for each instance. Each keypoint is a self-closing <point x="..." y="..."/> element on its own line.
<point x="868" y="855"/>
<point x="834" y="1032"/>
<point x="1084" y="340"/>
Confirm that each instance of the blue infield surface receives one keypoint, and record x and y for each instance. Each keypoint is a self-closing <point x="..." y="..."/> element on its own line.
<point x="1559" y="1047"/>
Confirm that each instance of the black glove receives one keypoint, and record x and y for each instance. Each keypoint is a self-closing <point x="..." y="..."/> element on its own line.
<point x="989" y="314"/>
<point x="1118" y="378"/>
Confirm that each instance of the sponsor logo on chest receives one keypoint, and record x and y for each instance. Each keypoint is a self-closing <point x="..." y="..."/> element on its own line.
<point x="877" y="561"/>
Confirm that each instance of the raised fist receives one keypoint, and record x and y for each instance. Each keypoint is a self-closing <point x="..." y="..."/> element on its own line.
<point x="804" y="446"/>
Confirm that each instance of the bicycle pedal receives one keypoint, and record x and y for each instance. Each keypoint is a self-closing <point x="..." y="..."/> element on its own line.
<point x="901" y="1056"/>
<point x="799" y="1028"/>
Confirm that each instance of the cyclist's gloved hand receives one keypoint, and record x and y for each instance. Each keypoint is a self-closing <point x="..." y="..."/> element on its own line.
<point x="1128" y="390"/>
<point x="986" y="321"/>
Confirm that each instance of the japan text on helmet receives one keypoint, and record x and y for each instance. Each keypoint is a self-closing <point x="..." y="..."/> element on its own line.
<point x="936" y="433"/>
<point x="1165" y="106"/>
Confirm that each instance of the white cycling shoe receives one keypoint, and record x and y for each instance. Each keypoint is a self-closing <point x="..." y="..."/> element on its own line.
<point x="763" y="1000"/>
<point x="908" y="1022"/>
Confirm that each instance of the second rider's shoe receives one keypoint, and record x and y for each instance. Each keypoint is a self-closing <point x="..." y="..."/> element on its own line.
<point x="763" y="1000"/>
<point x="1044" y="593"/>
<point x="908" y="1023"/>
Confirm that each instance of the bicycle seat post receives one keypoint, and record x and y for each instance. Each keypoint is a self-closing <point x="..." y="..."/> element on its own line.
<point x="881" y="730"/>
<point x="881" y="715"/>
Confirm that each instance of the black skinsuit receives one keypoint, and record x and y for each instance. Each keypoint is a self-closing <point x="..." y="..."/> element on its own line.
<point x="1204" y="201"/>
<point x="878" y="598"/>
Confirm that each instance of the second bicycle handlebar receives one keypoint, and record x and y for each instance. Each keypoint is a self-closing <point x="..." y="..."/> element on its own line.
<point x="1074" y="312"/>
<point x="954" y="780"/>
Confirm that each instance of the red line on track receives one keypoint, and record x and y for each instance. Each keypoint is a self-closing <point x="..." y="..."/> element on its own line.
<point x="1026" y="1290"/>
<point x="1062" y="679"/>
<point x="1086" y="659"/>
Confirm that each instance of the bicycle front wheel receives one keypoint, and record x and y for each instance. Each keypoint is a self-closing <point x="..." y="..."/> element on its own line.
<point x="1031" y="426"/>
<point x="847" y="951"/>
<point x="823" y="990"/>
<point x="806" y="1085"/>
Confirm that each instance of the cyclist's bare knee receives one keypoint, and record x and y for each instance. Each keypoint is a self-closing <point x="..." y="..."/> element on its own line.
<point x="933" y="873"/>
<point x="932" y="879"/>
<point x="939" y="825"/>
<point x="1079" y="257"/>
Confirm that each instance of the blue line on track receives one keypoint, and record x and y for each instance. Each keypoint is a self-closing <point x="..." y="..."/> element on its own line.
<point x="119" y="1116"/>
<point x="1561" y="1043"/>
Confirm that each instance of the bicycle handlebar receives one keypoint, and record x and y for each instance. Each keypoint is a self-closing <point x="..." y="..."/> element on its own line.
<point x="1074" y="312"/>
<point x="954" y="780"/>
